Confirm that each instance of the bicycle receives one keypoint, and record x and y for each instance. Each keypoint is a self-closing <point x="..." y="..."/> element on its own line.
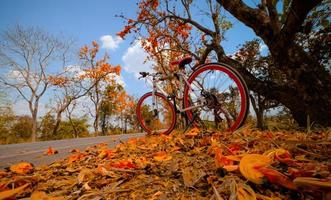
<point x="214" y="94"/>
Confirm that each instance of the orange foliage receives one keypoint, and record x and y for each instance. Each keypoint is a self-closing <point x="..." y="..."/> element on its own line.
<point x="22" y="168"/>
<point x="51" y="151"/>
<point x="60" y="81"/>
<point x="124" y="165"/>
<point x="75" y="157"/>
<point x="276" y="177"/>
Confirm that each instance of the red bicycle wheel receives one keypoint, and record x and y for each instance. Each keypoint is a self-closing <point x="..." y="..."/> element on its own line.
<point x="156" y="116"/>
<point x="218" y="97"/>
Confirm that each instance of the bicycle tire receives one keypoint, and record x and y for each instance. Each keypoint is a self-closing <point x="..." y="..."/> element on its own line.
<point x="149" y="128"/>
<point x="235" y="77"/>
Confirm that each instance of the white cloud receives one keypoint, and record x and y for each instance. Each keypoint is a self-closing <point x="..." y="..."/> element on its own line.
<point x="263" y="47"/>
<point x="135" y="60"/>
<point x="110" y="42"/>
<point x="118" y="79"/>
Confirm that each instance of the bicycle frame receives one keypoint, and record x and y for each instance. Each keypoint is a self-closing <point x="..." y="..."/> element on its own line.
<point x="182" y="79"/>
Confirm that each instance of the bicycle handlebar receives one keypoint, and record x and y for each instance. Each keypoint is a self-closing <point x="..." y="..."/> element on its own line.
<point x="144" y="74"/>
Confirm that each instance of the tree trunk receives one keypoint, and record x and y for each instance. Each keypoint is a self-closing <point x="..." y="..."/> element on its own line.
<point x="57" y="123"/>
<point x="260" y="120"/>
<point x="96" y="124"/>
<point x="34" y="125"/>
<point x="307" y="89"/>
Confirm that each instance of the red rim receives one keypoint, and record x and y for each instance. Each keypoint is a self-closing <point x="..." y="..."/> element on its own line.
<point x="242" y="90"/>
<point x="140" y="119"/>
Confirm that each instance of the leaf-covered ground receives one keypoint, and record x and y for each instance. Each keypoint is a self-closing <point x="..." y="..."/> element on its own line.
<point x="247" y="164"/>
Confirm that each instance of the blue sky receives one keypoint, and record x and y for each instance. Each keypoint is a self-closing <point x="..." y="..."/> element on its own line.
<point x="88" y="20"/>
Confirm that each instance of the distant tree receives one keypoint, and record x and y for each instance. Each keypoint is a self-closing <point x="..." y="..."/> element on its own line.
<point x="97" y="76"/>
<point x="66" y="129"/>
<point x="6" y="122"/>
<point x="26" y="54"/>
<point x="47" y="126"/>
<point x="22" y="127"/>
<point x="108" y="105"/>
<point x="82" y="81"/>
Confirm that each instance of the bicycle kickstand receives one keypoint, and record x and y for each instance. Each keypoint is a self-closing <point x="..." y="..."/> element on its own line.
<point x="195" y="116"/>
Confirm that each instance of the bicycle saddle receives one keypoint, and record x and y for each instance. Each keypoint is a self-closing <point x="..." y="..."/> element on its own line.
<point x="181" y="63"/>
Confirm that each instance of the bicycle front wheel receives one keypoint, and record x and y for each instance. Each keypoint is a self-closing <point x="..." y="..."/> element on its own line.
<point x="156" y="114"/>
<point x="217" y="96"/>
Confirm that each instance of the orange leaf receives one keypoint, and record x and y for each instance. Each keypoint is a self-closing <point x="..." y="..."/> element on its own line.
<point x="13" y="192"/>
<point x="220" y="159"/>
<point x="51" y="151"/>
<point x="2" y="173"/>
<point x="124" y="165"/>
<point x="75" y="157"/>
<point x="245" y="192"/>
<point x="193" y="132"/>
<point x="39" y="195"/>
<point x="276" y="177"/>
<point x="22" y="168"/>
<point x="231" y="168"/>
<point x="162" y="156"/>
<point x="248" y="165"/>
<point x="105" y="153"/>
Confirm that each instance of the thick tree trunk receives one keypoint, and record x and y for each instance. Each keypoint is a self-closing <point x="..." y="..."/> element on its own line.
<point x="307" y="88"/>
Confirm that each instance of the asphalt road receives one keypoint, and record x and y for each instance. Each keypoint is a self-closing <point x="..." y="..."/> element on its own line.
<point x="33" y="152"/>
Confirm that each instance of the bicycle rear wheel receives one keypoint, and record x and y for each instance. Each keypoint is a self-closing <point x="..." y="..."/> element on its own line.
<point x="218" y="97"/>
<point x="156" y="115"/>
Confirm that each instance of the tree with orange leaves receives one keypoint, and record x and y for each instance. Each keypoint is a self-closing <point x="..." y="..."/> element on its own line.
<point x="97" y="74"/>
<point x="76" y="82"/>
<point x="298" y="29"/>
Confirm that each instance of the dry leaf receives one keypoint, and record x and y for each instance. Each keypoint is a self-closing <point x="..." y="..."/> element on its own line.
<point x="124" y="165"/>
<point x="13" y="192"/>
<point x="309" y="182"/>
<point x="50" y="151"/>
<point x="244" y="192"/>
<point x="85" y="175"/>
<point x="276" y="177"/>
<point x="162" y="156"/>
<point x="249" y="164"/>
<point x="22" y="168"/>
<point x="105" y="153"/>
<point x="231" y="168"/>
<point x="191" y="176"/>
<point x="75" y="157"/>
<point x="193" y="132"/>
<point x="40" y="195"/>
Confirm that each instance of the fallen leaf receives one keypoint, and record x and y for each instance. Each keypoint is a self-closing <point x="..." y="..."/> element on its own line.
<point x="40" y="195"/>
<point x="13" y="192"/>
<point x="193" y="132"/>
<point x="162" y="156"/>
<point x="22" y="168"/>
<point x="85" y="175"/>
<point x="50" y="151"/>
<point x="231" y="168"/>
<point x="105" y="153"/>
<point x="2" y="173"/>
<point x="124" y="165"/>
<point x="309" y="182"/>
<point x="75" y="157"/>
<point x="191" y="176"/>
<point x="276" y="177"/>
<point x="248" y="165"/>
<point x="245" y="192"/>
